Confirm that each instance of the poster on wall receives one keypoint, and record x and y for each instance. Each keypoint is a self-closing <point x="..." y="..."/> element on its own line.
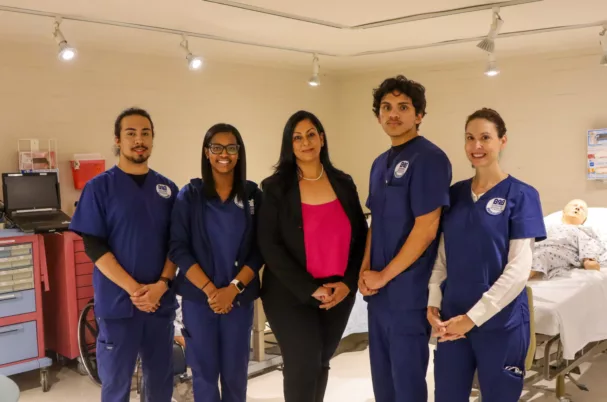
<point x="597" y="154"/>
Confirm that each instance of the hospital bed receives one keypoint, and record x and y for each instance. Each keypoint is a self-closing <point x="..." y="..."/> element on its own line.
<point x="569" y="323"/>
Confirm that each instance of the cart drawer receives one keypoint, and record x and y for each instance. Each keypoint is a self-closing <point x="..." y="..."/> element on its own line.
<point x="83" y="281"/>
<point x="18" y="342"/>
<point x="81" y="258"/>
<point x="84" y="269"/>
<point x="86" y="292"/>
<point x="16" y="303"/>
<point x="78" y="245"/>
<point x="15" y="250"/>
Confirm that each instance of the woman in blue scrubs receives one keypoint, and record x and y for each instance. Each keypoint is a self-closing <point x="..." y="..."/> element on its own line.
<point x="478" y="280"/>
<point x="213" y="242"/>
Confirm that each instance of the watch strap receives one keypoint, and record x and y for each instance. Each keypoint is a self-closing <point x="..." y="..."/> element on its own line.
<point x="239" y="285"/>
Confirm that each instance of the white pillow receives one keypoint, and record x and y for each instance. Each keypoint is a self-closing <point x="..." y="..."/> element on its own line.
<point x="597" y="218"/>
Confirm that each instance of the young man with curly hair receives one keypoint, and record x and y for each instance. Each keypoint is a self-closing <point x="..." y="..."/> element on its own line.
<point x="409" y="187"/>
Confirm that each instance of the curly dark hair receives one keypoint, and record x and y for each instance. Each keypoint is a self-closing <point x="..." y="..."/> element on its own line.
<point x="492" y="116"/>
<point x="402" y="85"/>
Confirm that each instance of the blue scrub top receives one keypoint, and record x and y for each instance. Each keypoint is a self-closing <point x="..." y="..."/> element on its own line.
<point x="135" y="221"/>
<point x="414" y="184"/>
<point x="477" y="237"/>
<point x="225" y="225"/>
<point x="220" y="237"/>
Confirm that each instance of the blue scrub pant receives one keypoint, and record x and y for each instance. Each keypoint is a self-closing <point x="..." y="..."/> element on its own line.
<point x="119" y="343"/>
<point x="399" y="352"/>
<point x="499" y="357"/>
<point x="217" y="348"/>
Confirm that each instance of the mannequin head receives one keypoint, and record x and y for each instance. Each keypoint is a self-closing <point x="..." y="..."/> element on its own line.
<point x="575" y="212"/>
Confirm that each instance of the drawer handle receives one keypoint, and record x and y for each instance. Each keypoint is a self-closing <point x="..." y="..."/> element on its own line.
<point x="11" y="330"/>
<point x="7" y="297"/>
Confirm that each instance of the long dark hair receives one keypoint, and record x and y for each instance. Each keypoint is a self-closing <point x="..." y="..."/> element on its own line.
<point x="286" y="169"/>
<point x="240" y="170"/>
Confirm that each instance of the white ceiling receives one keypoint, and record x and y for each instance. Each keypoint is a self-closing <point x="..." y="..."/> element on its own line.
<point x="242" y="25"/>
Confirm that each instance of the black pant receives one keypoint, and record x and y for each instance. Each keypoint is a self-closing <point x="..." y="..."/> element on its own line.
<point x="308" y="337"/>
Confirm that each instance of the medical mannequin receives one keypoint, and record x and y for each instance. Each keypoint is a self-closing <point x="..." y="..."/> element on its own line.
<point x="478" y="281"/>
<point x="569" y="245"/>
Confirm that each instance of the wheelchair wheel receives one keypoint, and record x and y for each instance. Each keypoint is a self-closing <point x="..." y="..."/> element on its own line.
<point x="87" y="341"/>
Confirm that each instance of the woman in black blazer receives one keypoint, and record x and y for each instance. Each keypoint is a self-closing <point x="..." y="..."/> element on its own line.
<point x="312" y="234"/>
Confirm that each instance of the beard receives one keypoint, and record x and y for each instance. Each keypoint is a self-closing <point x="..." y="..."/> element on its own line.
<point x="137" y="159"/>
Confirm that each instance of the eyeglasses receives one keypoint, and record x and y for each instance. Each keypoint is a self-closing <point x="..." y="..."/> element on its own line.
<point x="217" y="149"/>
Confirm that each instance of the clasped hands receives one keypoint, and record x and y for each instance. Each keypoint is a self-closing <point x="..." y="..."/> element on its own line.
<point x="369" y="282"/>
<point x="147" y="297"/>
<point x="450" y="330"/>
<point x="221" y="300"/>
<point x="331" y="294"/>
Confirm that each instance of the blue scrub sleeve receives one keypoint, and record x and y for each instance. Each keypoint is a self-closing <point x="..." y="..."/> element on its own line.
<point x="90" y="217"/>
<point x="430" y="183"/>
<point x="368" y="202"/>
<point x="179" y="247"/>
<point x="255" y="260"/>
<point x="527" y="219"/>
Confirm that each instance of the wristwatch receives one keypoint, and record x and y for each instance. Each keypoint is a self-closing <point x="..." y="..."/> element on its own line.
<point x="239" y="285"/>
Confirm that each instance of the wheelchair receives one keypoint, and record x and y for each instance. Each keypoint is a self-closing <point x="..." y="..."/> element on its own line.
<point x="87" y="342"/>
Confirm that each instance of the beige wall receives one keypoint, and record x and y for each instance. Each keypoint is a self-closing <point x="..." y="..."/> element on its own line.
<point x="77" y="103"/>
<point x="548" y="103"/>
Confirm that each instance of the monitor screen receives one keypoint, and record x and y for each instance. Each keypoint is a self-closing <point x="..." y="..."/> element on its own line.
<point x="30" y="191"/>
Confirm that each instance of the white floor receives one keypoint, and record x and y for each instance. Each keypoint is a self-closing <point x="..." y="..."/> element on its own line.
<point x="350" y="380"/>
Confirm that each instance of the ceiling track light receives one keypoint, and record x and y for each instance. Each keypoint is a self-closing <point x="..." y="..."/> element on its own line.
<point x="66" y="52"/>
<point x="314" y="81"/>
<point x="194" y="62"/>
<point x="488" y="44"/>
<point x="492" y="69"/>
<point x="603" y="35"/>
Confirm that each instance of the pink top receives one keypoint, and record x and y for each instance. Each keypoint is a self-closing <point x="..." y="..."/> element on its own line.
<point x="327" y="235"/>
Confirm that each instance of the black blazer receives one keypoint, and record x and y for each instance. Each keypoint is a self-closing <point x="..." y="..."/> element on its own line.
<point x="281" y="237"/>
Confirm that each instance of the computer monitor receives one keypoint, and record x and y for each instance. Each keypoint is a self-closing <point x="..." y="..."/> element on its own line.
<point x="26" y="191"/>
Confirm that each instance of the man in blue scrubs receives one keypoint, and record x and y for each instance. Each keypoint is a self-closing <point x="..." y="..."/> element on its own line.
<point x="123" y="216"/>
<point x="409" y="186"/>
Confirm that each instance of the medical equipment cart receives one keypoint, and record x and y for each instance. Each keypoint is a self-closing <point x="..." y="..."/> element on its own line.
<point x="23" y="270"/>
<point x="71" y="273"/>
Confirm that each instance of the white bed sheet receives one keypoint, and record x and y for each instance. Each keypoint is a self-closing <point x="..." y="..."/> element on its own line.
<point x="573" y="306"/>
<point x="359" y="320"/>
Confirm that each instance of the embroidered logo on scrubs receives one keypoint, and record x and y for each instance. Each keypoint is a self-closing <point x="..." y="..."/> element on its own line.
<point x="252" y="206"/>
<point x="496" y="206"/>
<point x="163" y="190"/>
<point x="238" y="202"/>
<point x="401" y="169"/>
